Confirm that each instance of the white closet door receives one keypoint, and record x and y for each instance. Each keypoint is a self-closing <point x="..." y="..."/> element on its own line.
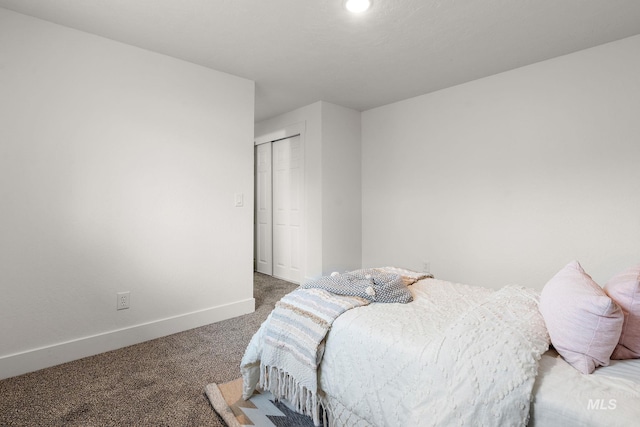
<point x="287" y="209"/>
<point x="264" y="259"/>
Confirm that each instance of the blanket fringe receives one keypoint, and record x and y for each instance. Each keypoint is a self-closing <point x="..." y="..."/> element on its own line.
<point x="284" y="386"/>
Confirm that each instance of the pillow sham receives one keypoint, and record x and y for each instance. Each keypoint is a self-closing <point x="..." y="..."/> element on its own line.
<point x="624" y="289"/>
<point x="583" y="322"/>
<point x="409" y="277"/>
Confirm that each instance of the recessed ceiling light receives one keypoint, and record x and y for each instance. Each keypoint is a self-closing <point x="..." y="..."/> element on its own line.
<point x="358" y="6"/>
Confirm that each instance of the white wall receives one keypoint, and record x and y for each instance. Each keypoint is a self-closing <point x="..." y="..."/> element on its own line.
<point x="118" y="170"/>
<point x="506" y="179"/>
<point x="332" y="183"/>
<point x="341" y="189"/>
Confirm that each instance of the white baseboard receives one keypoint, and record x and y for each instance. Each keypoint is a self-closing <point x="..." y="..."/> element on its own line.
<point x="44" y="357"/>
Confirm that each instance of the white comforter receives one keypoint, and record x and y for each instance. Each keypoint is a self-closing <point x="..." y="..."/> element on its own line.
<point x="456" y="355"/>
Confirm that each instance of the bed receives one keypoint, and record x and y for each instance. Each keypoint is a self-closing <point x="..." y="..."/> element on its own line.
<point x="455" y="355"/>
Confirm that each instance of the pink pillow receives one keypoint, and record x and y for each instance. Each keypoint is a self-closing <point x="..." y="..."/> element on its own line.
<point x="583" y="322"/>
<point x="624" y="289"/>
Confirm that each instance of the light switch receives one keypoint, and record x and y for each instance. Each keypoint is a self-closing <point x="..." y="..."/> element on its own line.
<point x="239" y="200"/>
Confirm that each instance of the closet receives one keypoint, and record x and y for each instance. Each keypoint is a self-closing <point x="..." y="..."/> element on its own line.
<point x="279" y="208"/>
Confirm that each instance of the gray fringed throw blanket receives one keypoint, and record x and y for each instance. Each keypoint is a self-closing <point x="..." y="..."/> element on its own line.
<point x="283" y="356"/>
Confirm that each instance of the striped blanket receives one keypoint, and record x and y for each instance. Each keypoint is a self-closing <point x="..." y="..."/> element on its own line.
<point x="288" y="348"/>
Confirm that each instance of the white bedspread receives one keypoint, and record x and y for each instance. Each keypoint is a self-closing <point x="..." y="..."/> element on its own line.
<point x="456" y="355"/>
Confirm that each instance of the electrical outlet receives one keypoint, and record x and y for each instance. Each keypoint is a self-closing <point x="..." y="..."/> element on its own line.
<point x="426" y="267"/>
<point x="123" y="300"/>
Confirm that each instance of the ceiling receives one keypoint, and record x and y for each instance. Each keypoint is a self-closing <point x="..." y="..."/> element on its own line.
<point x="302" y="51"/>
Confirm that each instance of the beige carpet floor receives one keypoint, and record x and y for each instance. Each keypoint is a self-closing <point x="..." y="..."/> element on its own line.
<point x="155" y="383"/>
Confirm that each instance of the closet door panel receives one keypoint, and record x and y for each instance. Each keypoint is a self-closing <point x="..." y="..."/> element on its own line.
<point x="287" y="208"/>
<point x="264" y="258"/>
